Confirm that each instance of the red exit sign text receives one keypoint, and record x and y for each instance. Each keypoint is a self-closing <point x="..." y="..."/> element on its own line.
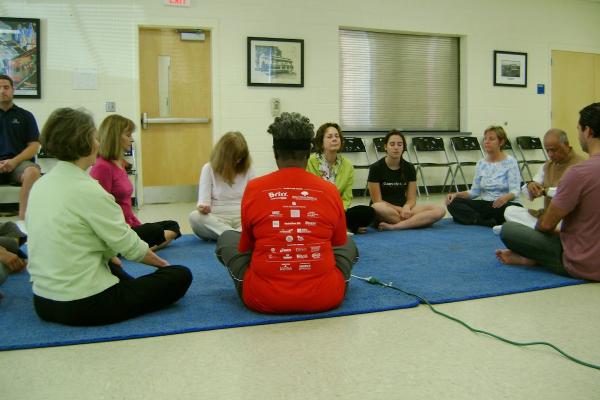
<point x="177" y="3"/>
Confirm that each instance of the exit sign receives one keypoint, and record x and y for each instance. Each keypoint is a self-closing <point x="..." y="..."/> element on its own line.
<point x="177" y="3"/>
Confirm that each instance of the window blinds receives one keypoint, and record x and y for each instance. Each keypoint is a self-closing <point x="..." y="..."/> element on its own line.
<point x="398" y="81"/>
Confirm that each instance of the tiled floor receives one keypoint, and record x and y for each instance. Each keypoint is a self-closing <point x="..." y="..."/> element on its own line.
<point x="411" y="354"/>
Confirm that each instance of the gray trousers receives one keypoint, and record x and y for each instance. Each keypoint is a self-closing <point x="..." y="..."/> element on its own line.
<point x="11" y="238"/>
<point x="237" y="263"/>
<point x="544" y="248"/>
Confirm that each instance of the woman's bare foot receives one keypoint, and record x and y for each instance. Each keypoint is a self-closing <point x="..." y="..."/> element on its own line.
<point x="506" y="256"/>
<point x="384" y="226"/>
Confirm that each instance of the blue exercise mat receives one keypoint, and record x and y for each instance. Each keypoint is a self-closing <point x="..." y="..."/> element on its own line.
<point x="449" y="262"/>
<point x="444" y="263"/>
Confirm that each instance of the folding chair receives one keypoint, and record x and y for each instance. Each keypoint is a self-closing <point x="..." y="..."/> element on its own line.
<point x="463" y="147"/>
<point x="379" y="144"/>
<point x="426" y="146"/>
<point x="508" y="147"/>
<point x="530" y="147"/>
<point x="356" y="151"/>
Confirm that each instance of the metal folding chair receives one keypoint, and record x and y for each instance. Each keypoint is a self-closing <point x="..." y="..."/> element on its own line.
<point x="432" y="148"/>
<point x="462" y="148"/>
<point x="356" y="151"/>
<point x="531" y="149"/>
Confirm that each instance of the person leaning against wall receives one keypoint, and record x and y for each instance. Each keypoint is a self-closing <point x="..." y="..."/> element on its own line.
<point x="392" y="184"/>
<point x="496" y="185"/>
<point x="75" y="227"/>
<point x="327" y="163"/>
<point x="19" y="143"/>
<point x="574" y="251"/>
<point x="222" y="184"/>
<point x="561" y="157"/>
<point x="293" y="254"/>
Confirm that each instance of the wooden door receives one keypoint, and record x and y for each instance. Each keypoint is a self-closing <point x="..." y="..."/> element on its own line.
<point x="575" y="84"/>
<point x="173" y="153"/>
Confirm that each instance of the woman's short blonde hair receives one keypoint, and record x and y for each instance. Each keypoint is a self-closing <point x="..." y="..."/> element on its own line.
<point x="230" y="156"/>
<point x="109" y="134"/>
<point x="500" y="133"/>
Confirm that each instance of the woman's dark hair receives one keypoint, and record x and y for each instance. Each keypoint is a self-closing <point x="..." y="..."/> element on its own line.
<point x="590" y="116"/>
<point x="398" y="133"/>
<point x="318" y="142"/>
<point x="68" y="134"/>
<point x="292" y="136"/>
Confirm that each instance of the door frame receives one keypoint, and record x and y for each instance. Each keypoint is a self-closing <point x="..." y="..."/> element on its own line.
<point x="215" y="93"/>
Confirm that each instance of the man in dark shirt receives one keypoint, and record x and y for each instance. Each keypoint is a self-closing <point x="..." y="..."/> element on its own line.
<point x="19" y="143"/>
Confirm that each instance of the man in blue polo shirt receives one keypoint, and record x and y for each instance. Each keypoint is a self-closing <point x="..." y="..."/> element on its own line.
<point x="19" y="144"/>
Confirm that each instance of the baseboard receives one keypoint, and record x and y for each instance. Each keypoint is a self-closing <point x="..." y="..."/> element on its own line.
<point x="170" y="194"/>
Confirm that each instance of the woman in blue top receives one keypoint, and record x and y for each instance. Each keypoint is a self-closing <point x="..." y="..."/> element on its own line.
<point x="496" y="185"/>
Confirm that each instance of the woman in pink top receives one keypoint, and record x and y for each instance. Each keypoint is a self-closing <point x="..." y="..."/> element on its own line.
<point x="115" y="138"/>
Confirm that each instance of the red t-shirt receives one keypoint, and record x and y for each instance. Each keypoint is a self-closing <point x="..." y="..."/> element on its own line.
<point x="291" y="219"/>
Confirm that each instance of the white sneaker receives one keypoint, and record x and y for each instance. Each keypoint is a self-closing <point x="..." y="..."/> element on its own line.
<point x="497" y="229"/>
<point x="21" y="225"/>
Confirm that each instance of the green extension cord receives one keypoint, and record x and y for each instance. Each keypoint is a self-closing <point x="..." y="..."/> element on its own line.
<point x="375" y="281"/>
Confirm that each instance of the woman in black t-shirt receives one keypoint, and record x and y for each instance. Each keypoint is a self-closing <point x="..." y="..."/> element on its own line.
<point x="393" y="186"/>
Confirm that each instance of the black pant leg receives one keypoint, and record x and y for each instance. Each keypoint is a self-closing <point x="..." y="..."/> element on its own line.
<point x="122" y="301"/>
<point x="359" y="217"/>
<point x="463" y="211"/>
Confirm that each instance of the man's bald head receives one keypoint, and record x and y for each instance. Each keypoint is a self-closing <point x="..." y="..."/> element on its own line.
<point x="556" y="143"/>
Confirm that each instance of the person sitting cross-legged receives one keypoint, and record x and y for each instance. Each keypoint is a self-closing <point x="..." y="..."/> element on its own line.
<point x="392" y="183"/>
<point x="75" y="227"/>
<point x="574" y="251"/>
<point x="293" y="255"/>
<point x="496" y="185"/>
<point x="561" y="158"/>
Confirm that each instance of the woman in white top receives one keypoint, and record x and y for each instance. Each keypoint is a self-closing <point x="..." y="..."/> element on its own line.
<point x="222" y="184"/>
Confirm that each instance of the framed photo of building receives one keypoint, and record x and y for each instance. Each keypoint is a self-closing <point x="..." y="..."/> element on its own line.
<point x="275" y="62"/>
<point x="510" y="69"/>
<point x="20" y="55"/>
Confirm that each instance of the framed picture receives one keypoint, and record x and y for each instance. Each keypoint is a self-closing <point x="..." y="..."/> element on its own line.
<point x="275" y="62"/>
<point x="20" y="55"/>
<point x="510" y="69"/>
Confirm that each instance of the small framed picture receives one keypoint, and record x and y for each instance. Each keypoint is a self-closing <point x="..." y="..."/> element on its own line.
<point x="20" y="55"/>
<point x="275" y="62"/>
<point x="510" y="69"/>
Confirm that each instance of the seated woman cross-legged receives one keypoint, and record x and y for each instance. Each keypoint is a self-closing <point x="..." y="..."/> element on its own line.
<point x="75" y="228"/>
<point x="222" y="184"/>
<point x="497" y="184"/>
<point x="328" y="164"/>
<point x="293" y="255"/>
<point x="392" y="184"/>
<point x="115" y="138"/>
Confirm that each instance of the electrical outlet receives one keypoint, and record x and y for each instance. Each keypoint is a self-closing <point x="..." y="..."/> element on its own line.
<point x="111" y="106"/>
<point x="275" y="107"/>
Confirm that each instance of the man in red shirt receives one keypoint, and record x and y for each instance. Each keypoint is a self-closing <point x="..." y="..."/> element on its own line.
<point x="292" y="255"/>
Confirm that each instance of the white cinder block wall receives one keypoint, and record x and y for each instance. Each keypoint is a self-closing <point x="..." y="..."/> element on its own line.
<point x="102" y="35"/>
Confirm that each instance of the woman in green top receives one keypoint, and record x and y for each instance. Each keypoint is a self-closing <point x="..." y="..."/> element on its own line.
<point x="75" y="227"/>
<point x="328" y="164"/>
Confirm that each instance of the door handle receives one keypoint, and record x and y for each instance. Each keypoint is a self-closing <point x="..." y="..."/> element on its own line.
<point x="171" y="120"/>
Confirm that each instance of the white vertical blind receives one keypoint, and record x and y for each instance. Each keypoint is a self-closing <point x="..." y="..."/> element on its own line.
<point x="397" y="81"/>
